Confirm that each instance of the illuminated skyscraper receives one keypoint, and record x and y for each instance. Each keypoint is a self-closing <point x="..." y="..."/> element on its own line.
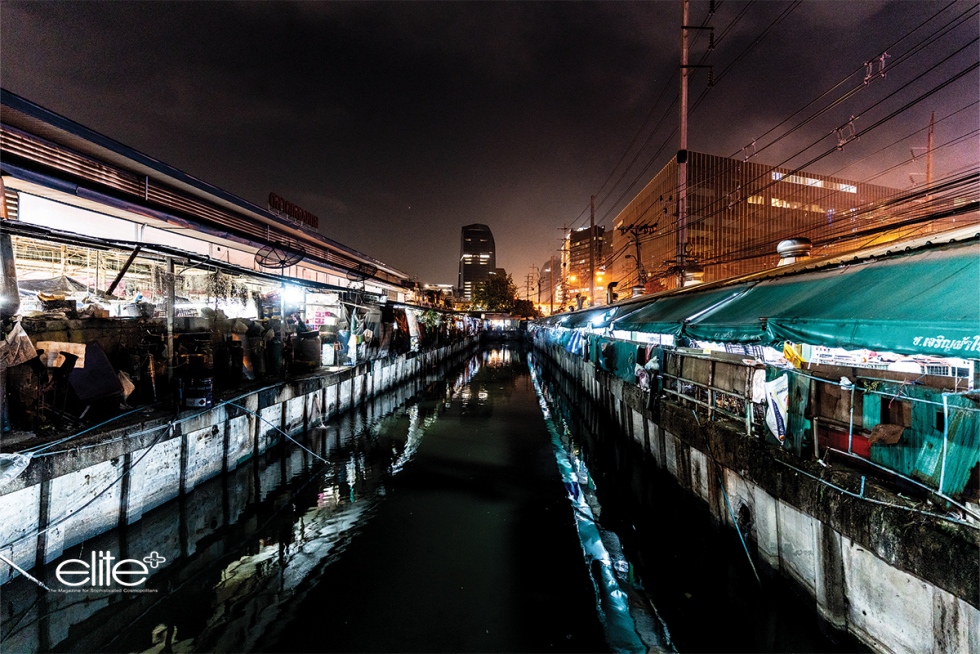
<point x="477" y="258"/>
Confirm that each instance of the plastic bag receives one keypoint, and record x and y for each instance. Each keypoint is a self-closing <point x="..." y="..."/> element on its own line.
<point x="19" y="348"/>
<point x="642" y="376"/>
<point x="12" y="465"/>
<point x="127" y="384"/>
<point x="777" y="394"/>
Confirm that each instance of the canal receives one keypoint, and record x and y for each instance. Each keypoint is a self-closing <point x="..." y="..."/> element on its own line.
<point x="473" y="509"/>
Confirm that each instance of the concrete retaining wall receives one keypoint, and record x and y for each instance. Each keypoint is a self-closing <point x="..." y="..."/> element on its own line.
<point x="897" y="580"/>
<point x="69" y="496"/>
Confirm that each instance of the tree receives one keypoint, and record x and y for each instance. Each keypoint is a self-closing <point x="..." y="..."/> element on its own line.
<point x="524" y="308"/>
<point x="497" y="294"/>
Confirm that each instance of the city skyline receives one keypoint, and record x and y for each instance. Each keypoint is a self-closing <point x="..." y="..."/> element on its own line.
<point x="396" y="124"/>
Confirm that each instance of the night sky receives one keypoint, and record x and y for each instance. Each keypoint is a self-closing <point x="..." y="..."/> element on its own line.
<point x="398" y="123"/>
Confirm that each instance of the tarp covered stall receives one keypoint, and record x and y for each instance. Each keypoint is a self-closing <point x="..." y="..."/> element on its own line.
<point x="667" y="314"/>
<point x="598" y="317"/>
<point x="922" y="303"/>
<point x="61" y="285"/>
<point x="743" y="319"/>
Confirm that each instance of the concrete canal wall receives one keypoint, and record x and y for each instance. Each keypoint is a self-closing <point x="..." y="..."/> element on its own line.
<point x="898" y="580"/>
<point x="66" y="497"/>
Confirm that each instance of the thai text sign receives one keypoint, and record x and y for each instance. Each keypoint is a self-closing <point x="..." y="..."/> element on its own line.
<point x="276" y="203"/>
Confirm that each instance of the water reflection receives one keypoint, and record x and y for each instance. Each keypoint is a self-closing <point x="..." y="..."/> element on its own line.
<point x="240" y="550"/>
<point x="693" y="571"/>
<point x="630" y="620"/>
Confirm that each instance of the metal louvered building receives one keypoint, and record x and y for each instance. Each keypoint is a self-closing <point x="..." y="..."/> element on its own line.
<point x="738" y="211"/>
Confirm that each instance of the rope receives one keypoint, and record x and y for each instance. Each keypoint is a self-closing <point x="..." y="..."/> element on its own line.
<point x="277" y="429"/>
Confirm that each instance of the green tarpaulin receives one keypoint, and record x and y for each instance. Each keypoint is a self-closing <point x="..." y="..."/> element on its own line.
<point x="598" y="317"/>
<point x="920" y="303"/>
<point x="744" y="319"/>
<point x="591" y="317"/>
<point x="666" y="314"/>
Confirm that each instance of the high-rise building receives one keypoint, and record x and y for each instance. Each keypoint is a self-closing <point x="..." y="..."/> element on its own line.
<point x="477" y="258"/>
<point x="581" y="259"/>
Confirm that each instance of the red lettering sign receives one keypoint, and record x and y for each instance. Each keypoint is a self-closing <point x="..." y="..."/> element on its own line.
<point x="278" y="204"/>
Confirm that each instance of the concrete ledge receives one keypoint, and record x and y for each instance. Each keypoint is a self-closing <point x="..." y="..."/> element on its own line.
<point x="898" y="580"/>
<point x="165" y="461"/>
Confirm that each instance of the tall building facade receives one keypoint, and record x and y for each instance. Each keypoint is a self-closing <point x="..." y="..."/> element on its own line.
<point x="737" y="212"/>
<point x="580" y="262"/>
<point x="477" y="258"/>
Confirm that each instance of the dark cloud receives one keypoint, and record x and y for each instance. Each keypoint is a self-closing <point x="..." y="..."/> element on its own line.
<point x="400" y="122"/>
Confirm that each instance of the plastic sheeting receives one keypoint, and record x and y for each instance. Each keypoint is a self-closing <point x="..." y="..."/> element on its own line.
<point x="923" y="302"/>
<point x="11" y="465"/>
<point x="667" y="314"/>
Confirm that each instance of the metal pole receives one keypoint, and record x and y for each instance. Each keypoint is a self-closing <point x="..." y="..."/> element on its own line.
<point x="122" y="272"/>
<point x="682" y="156"/>
<point x="942" y="470"/>
<point x="552" y="285"/>
<point x="932" y="125"/>
<point x="171" y="311"/>
<point x="592" y="251"/>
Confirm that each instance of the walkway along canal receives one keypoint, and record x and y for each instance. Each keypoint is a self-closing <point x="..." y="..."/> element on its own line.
<point x="431" y="518"/>
<point x="457" y="512"/>
<point x="898" y="575"/>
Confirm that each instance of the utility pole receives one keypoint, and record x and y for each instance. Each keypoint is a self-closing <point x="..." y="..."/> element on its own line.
<point x="639" y="266"/>
<point x="592" y="251"/>
<point x="682" y="155"/>
<point x="932" y="126"/>
<point x="552" y="285"/>
<point x="564" y="254"/>
<point x="634" y="231"/>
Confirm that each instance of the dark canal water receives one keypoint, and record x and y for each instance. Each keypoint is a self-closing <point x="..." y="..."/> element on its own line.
<point x="471" y="511"/>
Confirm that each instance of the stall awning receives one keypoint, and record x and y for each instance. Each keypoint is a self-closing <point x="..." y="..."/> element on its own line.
<point x="27" y="230"/>
<point x="667" y="314"/>
<point x="598" y="317"/>
<point x="744" y="319"/>
<point x="925" y="302"/>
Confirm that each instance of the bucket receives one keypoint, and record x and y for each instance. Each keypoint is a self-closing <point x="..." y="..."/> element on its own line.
<point x="196" y="393"/>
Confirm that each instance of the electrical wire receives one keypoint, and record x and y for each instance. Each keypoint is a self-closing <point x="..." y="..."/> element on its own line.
<point x="928" y="40"/>
<point x="931" y="38"/>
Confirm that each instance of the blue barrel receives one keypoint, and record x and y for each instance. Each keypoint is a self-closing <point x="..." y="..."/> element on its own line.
<point x="196" y="393"/>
